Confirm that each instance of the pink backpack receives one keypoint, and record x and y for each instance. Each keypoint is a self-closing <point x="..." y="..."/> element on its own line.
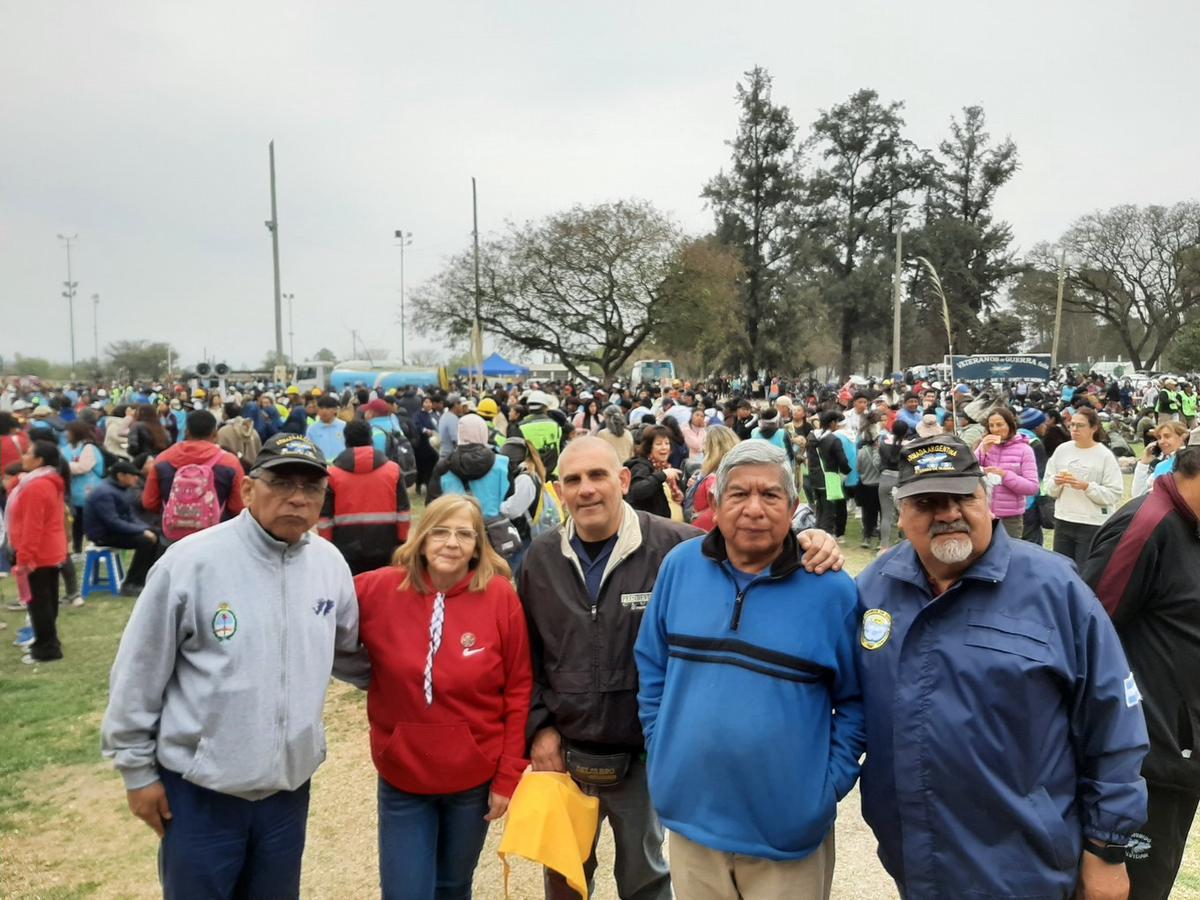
<point x="193" y="504"/>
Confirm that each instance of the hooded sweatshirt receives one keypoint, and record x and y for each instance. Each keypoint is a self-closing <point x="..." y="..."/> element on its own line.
<point x="222" y="669"/>
<point x="472" y="469"/>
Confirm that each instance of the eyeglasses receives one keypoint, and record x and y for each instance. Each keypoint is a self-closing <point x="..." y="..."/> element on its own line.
<point x="462" y="536"/>
<point x="288" y="486"/>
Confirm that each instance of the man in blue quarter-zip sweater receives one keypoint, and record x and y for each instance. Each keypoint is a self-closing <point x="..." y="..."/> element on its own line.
<point x="749" y="696"/>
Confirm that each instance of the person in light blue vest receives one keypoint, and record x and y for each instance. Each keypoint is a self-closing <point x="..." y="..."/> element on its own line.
<point x="87" y="470"/>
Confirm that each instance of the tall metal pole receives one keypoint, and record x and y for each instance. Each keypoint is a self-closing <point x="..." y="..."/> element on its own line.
<point x="897" y="292"/>
<point x="478" y="335"/>
<point x="291" y="330"/>
<point x="69" y="293"/>
<point x="405" y="239"/>
<point x="96" y="328"/>
<point x="273" y="227"/>
<point x="1062" y="279"/>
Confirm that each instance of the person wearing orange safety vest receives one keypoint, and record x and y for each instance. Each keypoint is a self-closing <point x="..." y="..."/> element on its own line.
<point x="366" y="513"/>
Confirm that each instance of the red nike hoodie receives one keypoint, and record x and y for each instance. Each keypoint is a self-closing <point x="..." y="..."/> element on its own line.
<point x="474" y="731"/>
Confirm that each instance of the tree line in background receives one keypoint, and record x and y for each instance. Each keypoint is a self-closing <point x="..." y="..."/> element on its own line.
<point x="797" y="272"/>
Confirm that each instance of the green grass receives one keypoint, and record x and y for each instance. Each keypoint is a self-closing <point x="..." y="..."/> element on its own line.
<point x="51" y="711"/>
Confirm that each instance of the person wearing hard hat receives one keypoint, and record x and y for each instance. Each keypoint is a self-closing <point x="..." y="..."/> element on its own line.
<point x="488" y="410"/>
<point x="540" y="430"/>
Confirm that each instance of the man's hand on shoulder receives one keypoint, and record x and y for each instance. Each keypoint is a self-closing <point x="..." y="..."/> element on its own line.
<point x="821" y="551"/>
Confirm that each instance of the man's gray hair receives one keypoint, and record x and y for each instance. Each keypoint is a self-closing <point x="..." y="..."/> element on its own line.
<point x="755" y="452"/>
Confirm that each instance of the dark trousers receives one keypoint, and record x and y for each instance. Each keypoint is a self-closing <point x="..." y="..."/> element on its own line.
<point x="222" y="846"/>
<point x="43" y="613"/>
<point x="145" y="554"/>
<point x="831" y="515"/>
<point x="867" y="498"/>
<point x="77" y="529"/>
<point x="1032" y="530"/>
<point x="1074" y="540"/>
<point x="639" y="868"/>
<point x="360" y="564"/>
<point x="1154" y="853"/>
<point x="429" y="843"/>
<point x="70" y="578"/>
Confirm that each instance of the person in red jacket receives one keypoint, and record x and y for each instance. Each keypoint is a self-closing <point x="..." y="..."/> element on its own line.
<point x="37" y="531"/>
<point x="199" y="446"/>
<point x="448" y="700"/>
<point x="366" y="512"/>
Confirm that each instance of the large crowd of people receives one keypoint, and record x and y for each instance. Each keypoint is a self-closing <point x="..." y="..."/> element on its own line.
<point x="639" y="586"/>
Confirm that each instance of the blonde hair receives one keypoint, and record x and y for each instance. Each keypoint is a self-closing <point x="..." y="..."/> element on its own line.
<point x="1177" y="428"/>
<point x="719" y="441"/>
<point x="485" y="561"/>
<point x="533" y="462"/>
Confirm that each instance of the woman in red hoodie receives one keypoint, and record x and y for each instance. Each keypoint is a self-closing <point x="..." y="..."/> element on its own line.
<point x="449" y="696"/>
<point x="37" y="530"/>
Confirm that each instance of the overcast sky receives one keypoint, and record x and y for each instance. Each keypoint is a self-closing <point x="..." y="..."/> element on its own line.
<point x="143" y="127"/>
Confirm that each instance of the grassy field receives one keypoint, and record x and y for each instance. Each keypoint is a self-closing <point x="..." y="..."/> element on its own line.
<point x="65" y="831"/>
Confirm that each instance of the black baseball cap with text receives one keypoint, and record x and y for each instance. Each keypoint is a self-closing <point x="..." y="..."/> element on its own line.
<point x="290" y="450"/>
<point x="941" y="464"/>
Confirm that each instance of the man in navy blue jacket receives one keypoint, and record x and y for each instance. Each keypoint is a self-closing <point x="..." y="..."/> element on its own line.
<point x="1005" y="732"/>
<point x="749" y="695"/>
<point x="109" y="520"/>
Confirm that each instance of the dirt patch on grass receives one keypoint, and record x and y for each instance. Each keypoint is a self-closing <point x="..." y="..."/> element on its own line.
<point x="77" y="838"/>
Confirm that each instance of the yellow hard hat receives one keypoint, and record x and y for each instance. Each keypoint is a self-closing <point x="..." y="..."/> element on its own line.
<point x="199" y="392"/>
<point x="292" y="390"/>
<point x="487" y="408"/>
<point x="317" y="392"/>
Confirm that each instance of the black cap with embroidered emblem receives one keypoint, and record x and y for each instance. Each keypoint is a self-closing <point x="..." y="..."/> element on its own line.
<point x="941" y="464"/>
<point x="289" y="450"/>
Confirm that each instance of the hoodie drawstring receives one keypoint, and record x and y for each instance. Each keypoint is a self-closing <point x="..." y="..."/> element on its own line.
<point x="435" y="641"/>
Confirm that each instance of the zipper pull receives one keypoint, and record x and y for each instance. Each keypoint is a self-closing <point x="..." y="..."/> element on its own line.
<point x="595" y="612"/>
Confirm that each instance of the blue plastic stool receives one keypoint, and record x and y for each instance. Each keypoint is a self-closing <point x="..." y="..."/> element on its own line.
<point x="114" y="570"/>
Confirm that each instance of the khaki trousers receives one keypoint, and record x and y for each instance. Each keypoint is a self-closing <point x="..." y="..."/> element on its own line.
<point x="698" y="873"/>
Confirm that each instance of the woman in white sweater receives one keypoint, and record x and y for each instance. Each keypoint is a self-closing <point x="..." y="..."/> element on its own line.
<point x="1085" y="479"/>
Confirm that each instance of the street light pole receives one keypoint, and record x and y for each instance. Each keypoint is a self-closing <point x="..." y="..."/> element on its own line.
<point x="273" y="227"/>
<point x="291" y="329"/>
<point x="69" y="293"/>
<point x="96" y="328"/>
<point x="405" y="239"/>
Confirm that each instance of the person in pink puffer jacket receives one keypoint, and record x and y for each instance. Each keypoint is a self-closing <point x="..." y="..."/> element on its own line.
<point x="1005" y="454"/>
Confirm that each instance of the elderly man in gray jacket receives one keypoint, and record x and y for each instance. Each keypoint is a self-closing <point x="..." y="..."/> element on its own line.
<point x="216" y="695"/>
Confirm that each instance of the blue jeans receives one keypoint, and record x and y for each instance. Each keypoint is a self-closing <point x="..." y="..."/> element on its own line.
<point x="429" y="843"/>
<point x="217" y="845"/>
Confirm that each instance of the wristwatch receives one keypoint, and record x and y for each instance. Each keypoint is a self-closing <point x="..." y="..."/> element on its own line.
<point x="1113" y="854"/>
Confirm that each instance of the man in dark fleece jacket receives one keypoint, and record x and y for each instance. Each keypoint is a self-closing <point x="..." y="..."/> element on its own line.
<point x="1145" y="568"/>
<point x="366" y="513"/>
<point x="109" y="520"/>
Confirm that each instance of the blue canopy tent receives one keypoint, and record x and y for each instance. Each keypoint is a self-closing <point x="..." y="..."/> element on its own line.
<point x="496" y="366"/>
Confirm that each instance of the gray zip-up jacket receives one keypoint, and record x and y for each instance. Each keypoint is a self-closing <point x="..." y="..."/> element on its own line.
<point x="222" y="670"/>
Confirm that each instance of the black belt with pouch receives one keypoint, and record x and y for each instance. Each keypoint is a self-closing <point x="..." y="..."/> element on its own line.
<point x="598" y="769"/>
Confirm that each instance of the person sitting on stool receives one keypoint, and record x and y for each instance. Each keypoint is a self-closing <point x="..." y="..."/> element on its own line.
<point x="109" y="520"/>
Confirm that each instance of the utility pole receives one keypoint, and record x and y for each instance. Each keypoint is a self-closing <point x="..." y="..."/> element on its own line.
<point x="477" y="333"/>
<point x="1062" y="280"/>
<point x="69" y="293"/>
<point x="897" y="293"/>
<point x="405" y="239"/>
<point x="96" y="328"/>
<point x="291" y="330"/>
<point x="273" y="227"/>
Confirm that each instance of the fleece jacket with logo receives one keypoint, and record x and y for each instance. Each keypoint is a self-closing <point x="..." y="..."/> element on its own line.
<point x="222" y="670"/>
